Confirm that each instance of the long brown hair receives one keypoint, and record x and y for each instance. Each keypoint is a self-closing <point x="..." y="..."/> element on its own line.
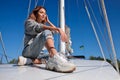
<point x="33" y="15"/>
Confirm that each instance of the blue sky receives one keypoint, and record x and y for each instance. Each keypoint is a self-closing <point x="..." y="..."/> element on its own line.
<point x="14" y="13"/>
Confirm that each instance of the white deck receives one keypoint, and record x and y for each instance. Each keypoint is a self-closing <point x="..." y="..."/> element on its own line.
<point x="86" y="70"/>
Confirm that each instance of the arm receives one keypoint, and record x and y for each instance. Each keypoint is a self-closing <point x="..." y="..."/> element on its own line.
<point x="32" y="27"/>
<point x="63" y="35"/>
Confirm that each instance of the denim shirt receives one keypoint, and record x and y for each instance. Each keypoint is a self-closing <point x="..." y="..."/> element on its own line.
<point x="32" y="28"/>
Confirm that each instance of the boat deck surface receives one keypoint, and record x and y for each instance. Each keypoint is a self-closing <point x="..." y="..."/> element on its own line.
<point x="86" y="70"/>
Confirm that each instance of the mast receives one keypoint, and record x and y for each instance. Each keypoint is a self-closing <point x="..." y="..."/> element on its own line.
<point x="3" y="47"/>
<point x="62" y="24"/>
<point x="109" y="33"/>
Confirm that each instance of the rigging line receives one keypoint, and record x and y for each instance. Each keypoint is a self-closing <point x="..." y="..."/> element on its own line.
<point x="43" y="2"/>
<point x="3" y="48"/>
<point x="105" y="31"/>
<point x="58" y="13"/>
<point x="1" y="58"/>
<point x="102" y="18"/>
<point x="67" y="28"/>
<point x="77" y="2"/>
<point x="68" y="10"/>
<point x="21" y="45"/>
<point x="103" y="21"/>
<point x="100" y="10"/>
<point x="78" y="5"/>
<point x="105" y="40"/>
<point x="109" y="33"/>
<point x="29" y="7"/>
<point x="79" y="13"/>
<point x="94" y="30"/>
<point x="24" y="35"/>
<point x="58" y="37"/>
<point x="36" y="2"/>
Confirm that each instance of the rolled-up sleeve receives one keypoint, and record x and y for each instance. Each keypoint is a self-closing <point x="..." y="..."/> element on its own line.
<point x="32" y="27"/>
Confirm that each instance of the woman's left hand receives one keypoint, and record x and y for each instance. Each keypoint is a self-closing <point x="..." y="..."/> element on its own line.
<point x="63" y="35"/>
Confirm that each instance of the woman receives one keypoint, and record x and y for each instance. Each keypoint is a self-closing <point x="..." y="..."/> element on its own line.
<point x="38" y="35"/>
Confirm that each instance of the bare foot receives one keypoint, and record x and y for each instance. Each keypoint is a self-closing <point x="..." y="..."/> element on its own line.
<point x="39" y="61"/>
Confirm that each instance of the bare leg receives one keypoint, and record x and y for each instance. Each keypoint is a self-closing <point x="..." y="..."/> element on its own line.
<point x="39" y="61"/>
<point x="50" y="47"/>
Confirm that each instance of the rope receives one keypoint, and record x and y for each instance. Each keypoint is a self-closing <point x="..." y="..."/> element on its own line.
<point x="43" y="2"/>
<point x="77" y="2"/>
<point x="67" y="28"/>
<point x="68" y="12"/>
<point x="100" y="11"/>
<point x="95" y="19"/>
<point x="3" y="48"/>
<point x="105" y="40"/>
<point x="109" y="33"/>
<point x="79" y="12"/>
<point x="29" y="8"/>
<point x="1" y="58"/>
<point x="21" y="45"/>
<point x="36" y="2"/>
<point x="89" y="16"/>
<point x="24" y="35"/>
<point x="58" y="37"/>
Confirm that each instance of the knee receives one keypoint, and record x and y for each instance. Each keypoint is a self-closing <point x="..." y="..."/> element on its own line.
<point x="48" y="34"/>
